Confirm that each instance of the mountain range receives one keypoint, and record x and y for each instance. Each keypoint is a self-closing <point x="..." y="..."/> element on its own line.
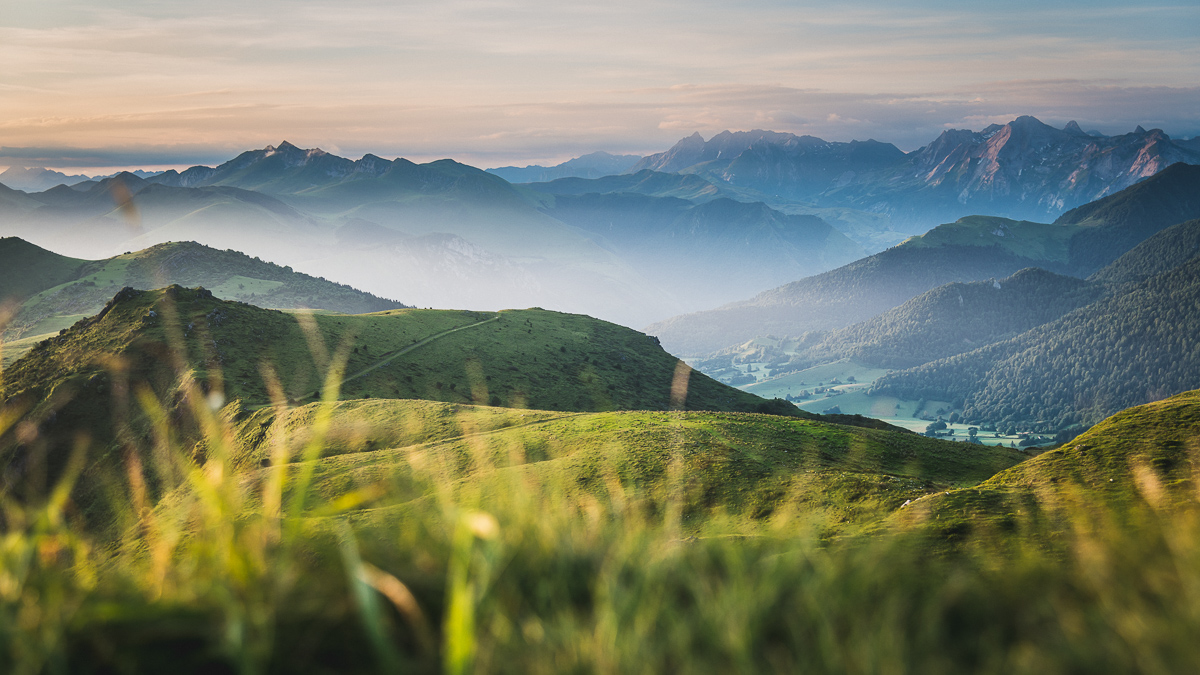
<point x="437" y="234"/>
<point x="593" y="165"/>
<point x="971" y="249"/>
<point x="1024" y="169"/>
<point x="759" y="209"/>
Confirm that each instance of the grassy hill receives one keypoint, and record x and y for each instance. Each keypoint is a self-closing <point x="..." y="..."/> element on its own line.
<point x="26" y="269"/>
<point x="751" y="466"/>
<point x="234" y="351"/>
<point x="1140" y="457"/>
<point x="64" y="290"/>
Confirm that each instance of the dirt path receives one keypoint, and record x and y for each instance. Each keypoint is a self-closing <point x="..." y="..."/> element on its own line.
<point x="388" y="358"/>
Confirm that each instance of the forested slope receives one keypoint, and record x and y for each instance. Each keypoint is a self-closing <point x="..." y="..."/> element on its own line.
<point x="957" y="318"/>
<point x="1135" y="347"/>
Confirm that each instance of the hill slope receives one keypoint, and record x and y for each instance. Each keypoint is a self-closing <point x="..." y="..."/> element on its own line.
<point x="957" y="318"/>
<point x="1141" y="456"/>
<point x="750" y="465"/>
<point x="1160" y="253"/>
<point x="849" y="294"/>
<point x="26" y="269"/>
<point x="82" y="288"/>
<point x="1134" y="347"/>
<point x="521" y="358"/>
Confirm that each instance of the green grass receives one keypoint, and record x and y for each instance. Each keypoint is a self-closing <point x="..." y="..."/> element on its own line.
<point x="236" y="352"/>
<point x="389" y="535"/>
<point x="822" y="375"/>
<point x="1035" y="241"/>
<point x="419" y="536"/>
<point x="18" y="348"/>
<point x="1139" y="458"/>
<point x="736" y="463"/>
<point x="239" y="286"/>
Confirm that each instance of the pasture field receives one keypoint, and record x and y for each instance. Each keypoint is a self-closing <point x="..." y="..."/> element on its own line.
<point x="372" y="536"/>
<point x="822" y="375"/>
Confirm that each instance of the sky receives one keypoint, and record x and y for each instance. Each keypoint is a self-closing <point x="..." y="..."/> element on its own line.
<point x="146" y="83"/>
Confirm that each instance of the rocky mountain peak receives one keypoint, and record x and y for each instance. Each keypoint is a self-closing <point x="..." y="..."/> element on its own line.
<point x="1074" y="129"/>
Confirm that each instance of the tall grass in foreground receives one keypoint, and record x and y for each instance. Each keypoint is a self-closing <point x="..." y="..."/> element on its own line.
<point x="217" y="567"/>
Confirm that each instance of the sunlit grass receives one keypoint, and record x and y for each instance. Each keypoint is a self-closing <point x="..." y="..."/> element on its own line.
<point x="489" y="559"/>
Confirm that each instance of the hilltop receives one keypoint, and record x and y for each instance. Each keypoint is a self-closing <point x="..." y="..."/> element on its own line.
<point x="1137" y="458"/>
<point x="166" y="339"/>
<point x="55" y="291"/>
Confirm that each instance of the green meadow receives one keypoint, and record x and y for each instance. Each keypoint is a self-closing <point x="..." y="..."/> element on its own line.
<point x="207" y="487"/>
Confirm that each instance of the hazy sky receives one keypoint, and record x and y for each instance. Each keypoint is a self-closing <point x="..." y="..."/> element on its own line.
<point x="147" y="82"/>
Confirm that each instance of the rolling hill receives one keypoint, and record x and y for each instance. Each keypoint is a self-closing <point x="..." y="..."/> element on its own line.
<point x="956" y="318"/>
<point x="26" y="269"/>
<point x="55" y="291"/>
<point x="1138" y="460"/>
<point x="851" y="293"/>
<point x="521" y="358"/>
<point x="751" y="466"/>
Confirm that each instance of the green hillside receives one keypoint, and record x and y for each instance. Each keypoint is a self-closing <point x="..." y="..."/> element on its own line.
<point x="1160" y="253"/>
<point x="956" y="318"/>
<point x="234" y="351"/>
<point x="1128" y="349"/>
<point x="1046" y="244"/>
<point x="849" y="294"/>
<point x="1139" y="457"/>
<point x="750" y="465"/>
<point x="58" y="301"/>
<point x="1115" y="224"/>
<point x="26" y="269"/>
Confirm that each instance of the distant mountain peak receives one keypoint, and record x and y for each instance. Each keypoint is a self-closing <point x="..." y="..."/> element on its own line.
<point x="1074" y="129"/>
<point x="1027" y="121"/>
<point x="1139" y="130"/>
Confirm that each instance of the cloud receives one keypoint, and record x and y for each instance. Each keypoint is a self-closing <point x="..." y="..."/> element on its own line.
<point x="522" y="81"/>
